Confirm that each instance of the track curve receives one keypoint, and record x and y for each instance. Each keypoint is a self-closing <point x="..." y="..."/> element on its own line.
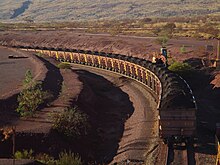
<point x="177" y="119"/>
<point x="140" y="137"/>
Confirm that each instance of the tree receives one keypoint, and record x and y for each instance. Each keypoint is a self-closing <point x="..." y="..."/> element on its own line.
<point x="28" y="77"/>
<point x="168" y="29"/>
<point x="170" y="26"/>
<point x="31" y="97"/>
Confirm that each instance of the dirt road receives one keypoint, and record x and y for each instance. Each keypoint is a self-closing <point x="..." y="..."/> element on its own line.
<point x="13" y="70"/>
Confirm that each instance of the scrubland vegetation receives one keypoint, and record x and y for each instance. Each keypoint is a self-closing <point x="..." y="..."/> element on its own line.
<point x="180" y="68"/>
<point x="65" y="158"/>
<point x="206" y="27"/>
<point x="199" y="19"/>
<point x="64" y="65"/>
<point x="68" y="10"/>
<point x="72" y="123"/>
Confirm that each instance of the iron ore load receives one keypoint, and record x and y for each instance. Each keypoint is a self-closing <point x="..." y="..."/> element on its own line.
<point x="176" y="103"/>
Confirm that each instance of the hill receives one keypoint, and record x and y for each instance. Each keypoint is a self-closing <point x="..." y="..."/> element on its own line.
<point x="60" y="10"/>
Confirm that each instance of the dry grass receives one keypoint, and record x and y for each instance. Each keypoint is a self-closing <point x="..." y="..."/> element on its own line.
<point x="56" y="10"/>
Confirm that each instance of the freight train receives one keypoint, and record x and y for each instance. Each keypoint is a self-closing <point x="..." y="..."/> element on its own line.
<point x="176" y="103"/>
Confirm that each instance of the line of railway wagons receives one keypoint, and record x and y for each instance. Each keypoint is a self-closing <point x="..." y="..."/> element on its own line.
<point x="176" y="104"/>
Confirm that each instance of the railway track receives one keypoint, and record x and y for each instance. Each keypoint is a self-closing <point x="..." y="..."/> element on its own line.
<point x="175" y="102"/>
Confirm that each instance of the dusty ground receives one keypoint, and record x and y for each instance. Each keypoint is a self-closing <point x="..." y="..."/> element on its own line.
<point x="13" y="71"/>
<point x="135" y="46"/>
<point x="139" y="140"/>
<point x="55" y="81"/>
<point x="12" y="74"/>
<point x="208" y="112"/>
<point x="110" y="110"/>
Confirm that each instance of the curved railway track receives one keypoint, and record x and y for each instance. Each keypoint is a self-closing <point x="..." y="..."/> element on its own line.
<point x="176" y="104"/>
<point x="135" y="143"/>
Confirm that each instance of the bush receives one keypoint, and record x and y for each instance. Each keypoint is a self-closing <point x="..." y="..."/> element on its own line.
<point x="180" y="68"/>
<point x="64" y="65"/>
<point x="183" y="49"/>
<point x="25" y="154"/>
<point x="72" y="123"/>
<point x="45" y="159"/>
<point x="69" y="159"/>
<point x="39" y="54"/>
<point x="31" y="97"/>
<point x="162" y="40"/>
<point x="156" y="31"/>
<point x="28" y="78"/>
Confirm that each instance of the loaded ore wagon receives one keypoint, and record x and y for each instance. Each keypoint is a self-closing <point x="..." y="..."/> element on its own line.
<point x="176" y="103"/>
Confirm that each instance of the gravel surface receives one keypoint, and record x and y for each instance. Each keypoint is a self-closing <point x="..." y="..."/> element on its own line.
<point x="141" y="47"/>
<point x="128" y="45"/>
<point x="13" y="70"/>
<point x="140" y="136"/>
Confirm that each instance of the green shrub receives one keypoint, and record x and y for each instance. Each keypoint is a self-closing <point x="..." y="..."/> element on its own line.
<point x="69" y="159"/>
<point x="72" y="123"/>
<point x="64" y="65"/>
<point x="39" y="54"/>
<point x="183" y="49"/>
<point x="45" y="159"/>
<point x="25" y="154"/>
<point x="65" y="158"/>
<point x="31" y="97"/>
<point x="28" y="77"/>
<point x="162" y="40"/>
<point x="180" y="68"/>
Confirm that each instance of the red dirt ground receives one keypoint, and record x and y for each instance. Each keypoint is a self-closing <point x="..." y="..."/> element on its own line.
<point x="136" y="46"/>
<point x="13" y="71"/>
<point x="128" y="45"/>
